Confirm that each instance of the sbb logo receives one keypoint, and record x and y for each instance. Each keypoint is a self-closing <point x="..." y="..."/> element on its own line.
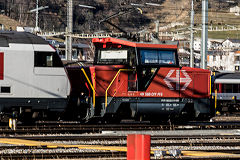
<point x="177" y="79"/>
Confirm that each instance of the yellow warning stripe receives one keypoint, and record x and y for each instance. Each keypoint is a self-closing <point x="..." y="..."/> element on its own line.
<point x="201" y="153"/>
<point x="56" y="145"/>
<point x="15" y="141"/>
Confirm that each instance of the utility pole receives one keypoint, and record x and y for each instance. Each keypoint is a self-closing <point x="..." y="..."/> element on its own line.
<point x="36" y="26"/>
<point x="157" y="26"/>
<point x="192" y="38"/>
<point x="37" y="9"/>
<point x="68" y="39"/>
<point x="204" y="44"/>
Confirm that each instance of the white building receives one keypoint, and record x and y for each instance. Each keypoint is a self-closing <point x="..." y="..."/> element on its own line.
<point x="224" y="56"/>
<point x="197" y="44"/>
<point x="235" y="10"/>
<point x="221" y="61"/>
<point x="237" y="61"/>
<point x="230" y="44"/>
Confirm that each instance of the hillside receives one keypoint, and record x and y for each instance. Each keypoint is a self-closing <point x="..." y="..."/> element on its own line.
<point x="87" y="20"/>
<point x="8" y="22"/>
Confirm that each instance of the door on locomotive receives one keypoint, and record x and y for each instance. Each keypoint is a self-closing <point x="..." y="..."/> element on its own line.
<point x="150" y="60"/>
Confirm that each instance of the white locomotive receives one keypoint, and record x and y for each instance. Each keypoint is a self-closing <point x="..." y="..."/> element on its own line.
<point x="33" y="81"/>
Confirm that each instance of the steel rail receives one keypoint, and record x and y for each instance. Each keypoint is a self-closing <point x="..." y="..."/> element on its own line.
<point x="63" y="155"/>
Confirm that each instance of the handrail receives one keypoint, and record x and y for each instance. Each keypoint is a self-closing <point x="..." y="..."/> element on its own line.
<point x="90" y="86"/>
<point x="215" y="100"/>
<point x="210" y="85"/>
<point x="112" y="83"/>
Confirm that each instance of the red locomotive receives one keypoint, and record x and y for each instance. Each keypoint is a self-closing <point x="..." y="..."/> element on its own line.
<point x="139" y="81"/>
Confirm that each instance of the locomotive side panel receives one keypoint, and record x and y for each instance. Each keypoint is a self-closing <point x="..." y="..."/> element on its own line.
<point x="166" y="82"/>
<point x="201" y="85"/>
<point x="195" y="83"/>
<point x="180" y="82"/>
<point x="17" y="71"/>
<point x="49" y="74"/>
<point x="50" y="83"/>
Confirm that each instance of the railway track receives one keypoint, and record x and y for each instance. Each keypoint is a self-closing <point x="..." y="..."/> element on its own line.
<point x="96" y="156"/>
<point x="156" y="140"/>
<point x="26" y="152"/>
<point x="115" y="135"/>
<point x="77" y="128"/>
<point x="207" y="143"/>
<point x="59" y="155"/>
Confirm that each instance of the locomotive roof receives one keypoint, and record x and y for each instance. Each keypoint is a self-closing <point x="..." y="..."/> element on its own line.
<point x="230" y="78"/>
<point x="157" y="44"/>
<point x="7" y="37"/>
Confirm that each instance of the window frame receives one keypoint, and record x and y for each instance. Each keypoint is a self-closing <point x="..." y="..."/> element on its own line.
<point x="98" y="59"/>
<point x="176" y="61"/>
<point x="56" y="61"/>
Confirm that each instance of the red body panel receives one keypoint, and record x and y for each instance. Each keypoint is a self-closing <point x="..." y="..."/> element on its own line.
<point x="104" y="76"/>
<point x="200" y="85"/>
<point x="168" y="82"/>
<point x="160" y="83"/>
<point x="181" y="82"/>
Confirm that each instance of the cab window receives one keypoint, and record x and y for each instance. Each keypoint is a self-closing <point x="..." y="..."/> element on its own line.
<point x="113" y="56"/>
<point x="47" y="59"/>
<point x="157" y="57"/>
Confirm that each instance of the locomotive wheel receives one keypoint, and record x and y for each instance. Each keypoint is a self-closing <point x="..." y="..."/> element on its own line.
<point x="84" y="114"/>
<point x="77" y="110"/>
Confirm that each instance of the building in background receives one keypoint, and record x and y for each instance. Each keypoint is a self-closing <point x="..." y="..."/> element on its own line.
<point x="80" y="51"/>
<point x="235" y="10"/>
